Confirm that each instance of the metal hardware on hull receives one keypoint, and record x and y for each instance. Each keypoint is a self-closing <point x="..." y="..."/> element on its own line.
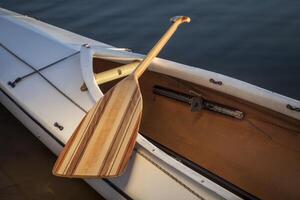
<point x="215" y="82"/>
<point x="198" y="103"/>
<point x="223" y="110"/>
<point x="293" y="108"/>
<point x="38" y="71"/>
<point x="13" y="83"/>
<point x="86" y="45"/>
<point x="57" y="125"/>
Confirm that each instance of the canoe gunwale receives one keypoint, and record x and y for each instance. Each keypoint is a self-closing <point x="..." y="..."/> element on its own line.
<point x="86" y="60"/>
<point x="144" y="148"/>
<point x="230" y="86"/>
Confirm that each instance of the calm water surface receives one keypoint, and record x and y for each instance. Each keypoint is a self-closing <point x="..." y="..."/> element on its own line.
<point x="252" y="40"/>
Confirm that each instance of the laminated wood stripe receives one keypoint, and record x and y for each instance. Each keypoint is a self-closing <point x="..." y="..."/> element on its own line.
<point x="102" y="143"/>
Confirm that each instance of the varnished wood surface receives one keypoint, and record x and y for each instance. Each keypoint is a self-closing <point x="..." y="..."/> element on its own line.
<point x="260" y="154"/>
<point x="176" y="22"/>
<point x="102" y="144"/>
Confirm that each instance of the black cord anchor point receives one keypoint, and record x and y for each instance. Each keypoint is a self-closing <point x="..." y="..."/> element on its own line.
<point x="13" y="84"/>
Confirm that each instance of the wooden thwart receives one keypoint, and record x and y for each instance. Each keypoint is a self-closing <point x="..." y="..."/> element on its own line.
<point x="103" y="142"/>
<point x="113" y="74"/>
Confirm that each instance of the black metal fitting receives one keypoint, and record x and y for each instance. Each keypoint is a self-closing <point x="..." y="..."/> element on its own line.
<point x="60" y="127"/>
<point x="215" y="82"/>
<point x="13" y="84"/>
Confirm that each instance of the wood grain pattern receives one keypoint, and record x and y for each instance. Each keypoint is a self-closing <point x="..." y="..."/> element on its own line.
<point x="247" y="151"/>
<point x="102" y="143"/>
<point x="257" y="154"/>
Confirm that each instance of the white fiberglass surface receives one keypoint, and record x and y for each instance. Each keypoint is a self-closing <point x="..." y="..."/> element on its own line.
<point x="39" y="98"/>
<point x="67" y="76"/>
<point x="11" y="67"/>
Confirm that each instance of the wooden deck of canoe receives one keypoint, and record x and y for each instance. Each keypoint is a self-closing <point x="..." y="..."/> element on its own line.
<point x="25" y="167"/>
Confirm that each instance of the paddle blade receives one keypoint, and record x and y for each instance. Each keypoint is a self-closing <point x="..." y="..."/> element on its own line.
<point x="103" y="142"/>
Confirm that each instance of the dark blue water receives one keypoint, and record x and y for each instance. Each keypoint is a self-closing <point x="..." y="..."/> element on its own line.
<point x="257" y="41"/>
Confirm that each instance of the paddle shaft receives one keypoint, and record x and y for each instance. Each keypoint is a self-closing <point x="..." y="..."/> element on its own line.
<point x="139" y="66"/>
<point x="159" y="45"/>
<point x="104" y="140"/>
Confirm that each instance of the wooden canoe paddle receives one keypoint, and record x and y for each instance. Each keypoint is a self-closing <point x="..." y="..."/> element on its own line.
<point x="103" y="142"/>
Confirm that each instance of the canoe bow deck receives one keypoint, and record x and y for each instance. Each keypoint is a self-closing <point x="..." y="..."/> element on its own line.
<point x="249" y="158"/>
<point x="32" y="102"/>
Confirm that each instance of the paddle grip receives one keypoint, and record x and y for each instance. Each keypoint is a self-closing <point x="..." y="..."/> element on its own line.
<point x="177" y="20"/>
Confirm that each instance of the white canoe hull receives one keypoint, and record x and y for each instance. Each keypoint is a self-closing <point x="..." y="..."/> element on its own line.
<point x="151" y="174"/>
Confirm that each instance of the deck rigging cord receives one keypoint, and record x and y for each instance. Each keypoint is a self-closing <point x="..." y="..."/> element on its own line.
<point x="13" y="83"/>
<point x="37" y="71"/>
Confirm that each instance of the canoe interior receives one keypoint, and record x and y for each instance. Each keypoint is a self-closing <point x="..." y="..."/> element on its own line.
<point x="260" y="154"/>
